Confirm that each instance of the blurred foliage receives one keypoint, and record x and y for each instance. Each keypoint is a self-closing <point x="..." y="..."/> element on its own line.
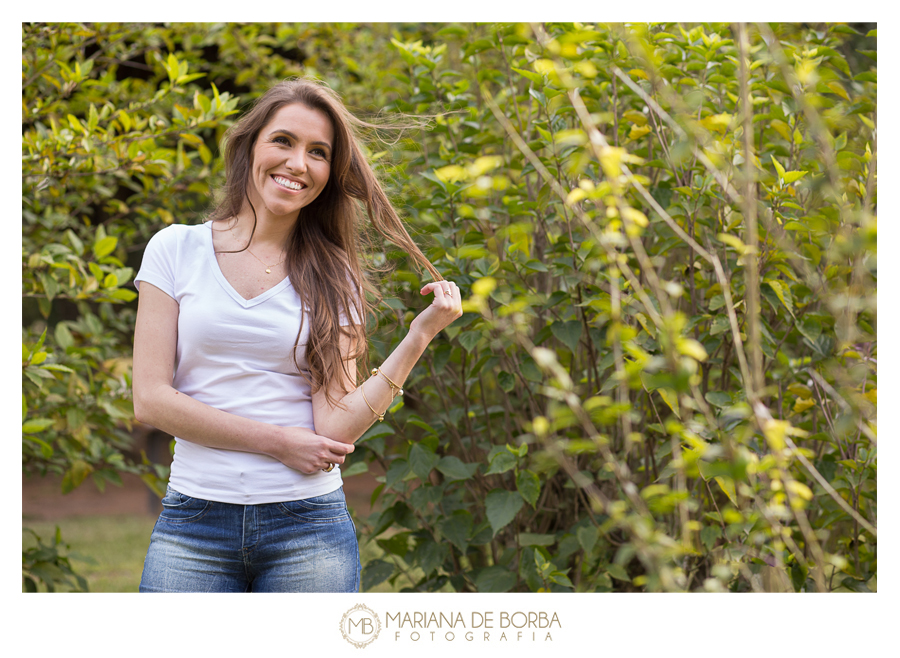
<point x="665" y="378"/>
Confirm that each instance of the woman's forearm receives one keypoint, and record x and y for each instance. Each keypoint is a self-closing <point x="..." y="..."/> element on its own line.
<point x="349" y="423"/>
<point x="181" y="415"/>
<point x="175" y="413"/>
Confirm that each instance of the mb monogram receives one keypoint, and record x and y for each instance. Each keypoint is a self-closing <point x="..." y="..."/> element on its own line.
<point x="360" y="626"/>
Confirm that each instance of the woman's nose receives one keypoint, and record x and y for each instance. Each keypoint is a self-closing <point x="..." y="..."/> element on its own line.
<point x="297" y="161"/>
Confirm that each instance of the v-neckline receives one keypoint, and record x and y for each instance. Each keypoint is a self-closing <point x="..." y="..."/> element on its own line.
<point x="226" y="284"/>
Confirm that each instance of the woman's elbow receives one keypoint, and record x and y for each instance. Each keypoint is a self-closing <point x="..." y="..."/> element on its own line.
<point x="143" y="405"/>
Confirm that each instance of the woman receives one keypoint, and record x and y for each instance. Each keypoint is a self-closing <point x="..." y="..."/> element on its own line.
<point x="248" y="332"/>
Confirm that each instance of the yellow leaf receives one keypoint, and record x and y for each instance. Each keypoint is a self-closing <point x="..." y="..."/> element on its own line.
<point x="638" y="131"/>
<point x="733" y="241"/>
<point x="799" y="489"/>
<point x="635" y="216"/>
<point x="586" y="68"/>
<point x="484" y="286"/>
<point x="717" y="122"/>
<point x="575" y="196"/>
<point x="544" y="66"/>
<point x="692" y="348"/>
<point x="778" y="167"/>
<point x="727" y="485"/>
<point x="451" y="174"/>
<point x="775" y="432"/>
<point x="484" y="164"/>
<point x="781" y="128"/>
<point x="635" y="117"/>
<point x="838" y="89"/>
<point x="670" y="399"/>
<point x="801" y="405"/>
<point x="800" y="390"/>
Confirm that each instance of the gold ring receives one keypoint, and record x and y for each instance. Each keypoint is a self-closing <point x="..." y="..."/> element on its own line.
<point x="448" y="292"/>
<point x="328" y="470"/>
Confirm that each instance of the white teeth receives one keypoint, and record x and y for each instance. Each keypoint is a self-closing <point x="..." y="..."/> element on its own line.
<point x="287" y="183"/>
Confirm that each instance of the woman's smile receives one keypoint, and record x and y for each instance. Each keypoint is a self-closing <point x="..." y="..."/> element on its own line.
<point x="288" y="183"/>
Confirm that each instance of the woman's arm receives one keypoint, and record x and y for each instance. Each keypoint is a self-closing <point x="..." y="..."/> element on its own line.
<point x="348" y="424"/>
<point x="157" y="403"/>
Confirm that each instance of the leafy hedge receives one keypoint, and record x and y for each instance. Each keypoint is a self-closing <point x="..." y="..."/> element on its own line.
<point x="665" y="378"/>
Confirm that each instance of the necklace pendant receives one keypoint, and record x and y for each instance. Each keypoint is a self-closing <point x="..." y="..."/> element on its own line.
<point x="268" y="271"/>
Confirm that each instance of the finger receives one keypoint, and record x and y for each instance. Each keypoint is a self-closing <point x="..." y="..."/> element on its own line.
<point x="338" y="449"/>
<point x="431" y="287"/>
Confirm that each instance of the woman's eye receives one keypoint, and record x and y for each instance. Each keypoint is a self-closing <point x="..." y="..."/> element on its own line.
<point x="320" y="153"/>
<point x="281" y="140"/>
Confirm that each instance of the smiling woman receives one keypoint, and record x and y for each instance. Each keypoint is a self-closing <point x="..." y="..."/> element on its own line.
<point x="249" y="330"/>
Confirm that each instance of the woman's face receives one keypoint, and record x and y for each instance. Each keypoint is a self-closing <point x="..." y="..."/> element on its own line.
<point x="291" y="160"/>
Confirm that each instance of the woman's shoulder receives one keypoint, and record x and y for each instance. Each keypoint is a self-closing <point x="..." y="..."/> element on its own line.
<point x="175" y="234"/>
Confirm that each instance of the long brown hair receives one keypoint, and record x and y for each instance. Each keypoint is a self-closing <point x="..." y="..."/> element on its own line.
<point x="325" y="248"/>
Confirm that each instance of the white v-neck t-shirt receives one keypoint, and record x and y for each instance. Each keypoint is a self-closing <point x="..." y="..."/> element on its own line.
<point x="236" y="355"/>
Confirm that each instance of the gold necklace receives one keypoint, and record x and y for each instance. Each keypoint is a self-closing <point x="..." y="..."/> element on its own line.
<point x="268" y="267"/>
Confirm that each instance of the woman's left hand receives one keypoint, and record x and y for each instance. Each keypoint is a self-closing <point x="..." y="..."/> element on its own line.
<point x="446" y="307"/>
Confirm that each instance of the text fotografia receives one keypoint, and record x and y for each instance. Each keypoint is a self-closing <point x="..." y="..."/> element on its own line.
<point x="480" y="626"/>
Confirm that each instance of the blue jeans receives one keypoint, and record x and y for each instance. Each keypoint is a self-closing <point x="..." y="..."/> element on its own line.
<point x="296" y="546"/>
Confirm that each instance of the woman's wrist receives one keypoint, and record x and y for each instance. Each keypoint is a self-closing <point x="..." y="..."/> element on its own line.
<point x="419" y="338"/>
<point x="277" y="443"/>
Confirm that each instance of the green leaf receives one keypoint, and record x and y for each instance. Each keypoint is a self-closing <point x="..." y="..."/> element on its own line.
<point x="429" y="555"/>
<point x="854" y="585"/>
<point x="532" y="539"/>
<point x="587" y="537"/>
<point x="76" y="474"/>
<point x="507" y="381"/>
<point x="453" y="468"/>
<point x="422" y="460"/>
<point x="569" y="333"/>
<point x="618" y="572"/>
<point x="719" y="399"/>
<point x="469" y="339"/>
<point x="798" y="576"/>
<point x="501" y="463"/>
<point x="375" y="573"/>
<point x="495" y="579"/>
<point x="457" y="528"/>
<point x="709" y="535"/>
<point x="378" y="429"/>
<point x="355" y="468"/>
<point x="396" y="544"/>
<point x="502" y="507"/>
<point x="793" y="176"/>
<point x="105" y="246"/>
<point x="36" y="425"/>
<point x="398" y="470"/>
<point x="529" y="486"/>
<point x="778" y="167"/>
<point x="784" y="294"/>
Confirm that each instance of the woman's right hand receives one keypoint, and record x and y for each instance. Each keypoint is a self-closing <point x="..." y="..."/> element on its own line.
<point x="307" y="452"/>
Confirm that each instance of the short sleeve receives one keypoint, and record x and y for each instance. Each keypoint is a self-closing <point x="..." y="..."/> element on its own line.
<point x="158" y="263"/>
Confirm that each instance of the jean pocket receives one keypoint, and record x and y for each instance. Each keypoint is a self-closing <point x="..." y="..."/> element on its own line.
<point x="180" y="508"/>
<point x="327" y="508"/>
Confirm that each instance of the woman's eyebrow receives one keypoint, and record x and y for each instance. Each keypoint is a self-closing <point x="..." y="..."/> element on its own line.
<point x="287" y="132"/>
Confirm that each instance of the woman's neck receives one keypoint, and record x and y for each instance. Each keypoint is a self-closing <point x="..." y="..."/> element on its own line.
<point x="270" y="232"/>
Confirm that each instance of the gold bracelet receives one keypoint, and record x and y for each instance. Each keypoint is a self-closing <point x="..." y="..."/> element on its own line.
<point x="378" y="415"/>
<point x="376" y="371"/>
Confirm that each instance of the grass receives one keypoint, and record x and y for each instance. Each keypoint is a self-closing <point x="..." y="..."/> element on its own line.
<point x="107" y="550"/>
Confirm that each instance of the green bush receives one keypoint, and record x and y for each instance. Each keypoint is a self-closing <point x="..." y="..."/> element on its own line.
<point x="665" y="377"/>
